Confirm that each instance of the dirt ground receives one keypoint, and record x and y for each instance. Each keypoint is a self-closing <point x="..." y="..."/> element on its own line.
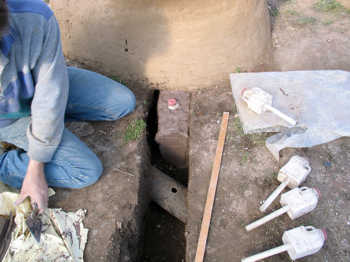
<point x="309" y="36"/>
<point x="116" y="204"/>
<point x="306" y="36"/>
<point x="248" y="175"/>
<point x="164" y="237"/>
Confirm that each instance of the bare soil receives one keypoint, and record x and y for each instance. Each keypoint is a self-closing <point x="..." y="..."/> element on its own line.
<point x="248" y="175"/>
<point x="306" y="38"/>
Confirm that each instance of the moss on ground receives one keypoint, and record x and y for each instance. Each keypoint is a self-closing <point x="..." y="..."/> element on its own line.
<point x="248" y="140"/>
<point x="330" y="6"/>
<point x="301" y="19"/>
<point x="134" y="130"/>
<point x="305" y="20"/>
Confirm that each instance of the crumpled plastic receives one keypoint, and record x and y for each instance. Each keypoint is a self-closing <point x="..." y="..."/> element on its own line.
<point x="63" y="237"/>
<point x="318" y="100"/>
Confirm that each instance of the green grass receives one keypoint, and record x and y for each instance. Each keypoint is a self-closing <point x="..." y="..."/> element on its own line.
<point x="293" y="12"/>
<point x="328" y="22"/>
<point x="117" y="79"/>
<point x="274" y="175"/>
<point x="258" y="139"/>
<point x="301" y="19"/>
<point x="329" y="6"/>
<point x="134" y="130"/>
<point x="238" y="70"/>
<point x="305" y="20"/>
<point x="248" y="139"/>
<point x="274" y="11"/>
<point x="245" y="157"/>
<point x="238" y="127"/>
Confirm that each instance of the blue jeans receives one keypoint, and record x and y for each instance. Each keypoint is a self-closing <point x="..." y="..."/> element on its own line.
<point x="91" y="97"/>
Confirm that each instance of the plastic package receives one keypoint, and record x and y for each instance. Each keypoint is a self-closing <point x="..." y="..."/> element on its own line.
<point x="292" y="175"/>
<point x="298" y="242"/>
<point x="296" y="203"/>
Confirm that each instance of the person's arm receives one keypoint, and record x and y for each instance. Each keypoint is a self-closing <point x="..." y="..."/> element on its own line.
<point x="47" y="109"/>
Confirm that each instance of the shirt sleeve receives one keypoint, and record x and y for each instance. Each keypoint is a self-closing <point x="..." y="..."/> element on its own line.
<point x="50" y="97"/>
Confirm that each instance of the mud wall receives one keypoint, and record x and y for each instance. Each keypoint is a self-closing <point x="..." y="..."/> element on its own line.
<point x="173" y="44"/>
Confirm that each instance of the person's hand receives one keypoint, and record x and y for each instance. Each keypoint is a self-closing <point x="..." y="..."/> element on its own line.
<point x="35" y="186"/>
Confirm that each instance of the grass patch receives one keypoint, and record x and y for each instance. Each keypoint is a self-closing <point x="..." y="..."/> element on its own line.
<point x="249" y="140"/>
<point x="258" y="139"/>
<point x="274" y="175"/>
<point x="238" y="127"/>
<point x="134" y="130"/>
<point x="301" y="19"/>
<point x="117" y="79"/>
<point x="328" y="22"/>
<point x="329" y="6"/>
<point x="306" y="20"/>
<point x="245" y="157"/>
<point x="292" y="12"/>
<point x="274" y="12"/>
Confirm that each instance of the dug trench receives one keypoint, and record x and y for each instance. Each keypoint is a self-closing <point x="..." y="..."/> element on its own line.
<point x="164" y="235"/>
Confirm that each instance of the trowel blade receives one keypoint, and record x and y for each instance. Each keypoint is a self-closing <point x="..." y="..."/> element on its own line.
<point x="34" y="224"/>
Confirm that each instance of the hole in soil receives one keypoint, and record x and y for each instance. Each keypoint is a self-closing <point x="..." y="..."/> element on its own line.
<point x="164" y="238"/>
<point x="152" y="128"/>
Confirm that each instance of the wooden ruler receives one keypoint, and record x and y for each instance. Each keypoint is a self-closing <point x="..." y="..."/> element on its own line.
<point x="202" y="241"/>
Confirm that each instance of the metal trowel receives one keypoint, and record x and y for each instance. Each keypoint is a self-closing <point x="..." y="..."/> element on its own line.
<point x="34" y="223"/>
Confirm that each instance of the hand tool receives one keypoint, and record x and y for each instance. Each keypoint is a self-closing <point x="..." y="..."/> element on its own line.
<point x="34" y="223"/>
<point x="5" y="235"/>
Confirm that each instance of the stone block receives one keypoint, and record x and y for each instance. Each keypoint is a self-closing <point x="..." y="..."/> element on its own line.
<point x="173" y="127"/>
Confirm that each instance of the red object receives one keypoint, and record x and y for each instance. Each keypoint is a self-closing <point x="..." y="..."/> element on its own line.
<point x="172" y="102"/>
<point x="318" y="192"/>
<point x="243" y="90"/>
<point x="325" y="234"/>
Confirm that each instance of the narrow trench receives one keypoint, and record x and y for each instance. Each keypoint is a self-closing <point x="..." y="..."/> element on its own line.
<point x="164" y="237"/>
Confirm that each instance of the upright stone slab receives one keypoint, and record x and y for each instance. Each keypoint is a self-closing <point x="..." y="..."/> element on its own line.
<point x="177" y="44"/>
<point x="116" y="204"/>
<point x="173" y="127"/>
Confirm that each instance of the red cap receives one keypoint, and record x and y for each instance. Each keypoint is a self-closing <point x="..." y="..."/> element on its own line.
<point x="172" y="102"/>
<point x="324" y="234"/>
<point x="243" y="90"/>
<point x="318" y="192"/>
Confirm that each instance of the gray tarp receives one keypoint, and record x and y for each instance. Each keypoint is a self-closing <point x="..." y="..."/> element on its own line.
<point x="318" y="100"/>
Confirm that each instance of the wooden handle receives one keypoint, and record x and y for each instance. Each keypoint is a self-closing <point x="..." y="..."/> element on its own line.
<point x="202" y="241"/>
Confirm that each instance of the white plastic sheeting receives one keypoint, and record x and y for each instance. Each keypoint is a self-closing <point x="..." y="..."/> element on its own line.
<point x="318" y="100"/>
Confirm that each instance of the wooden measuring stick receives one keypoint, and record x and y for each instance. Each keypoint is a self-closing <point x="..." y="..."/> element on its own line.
<point x="202" y="241"/>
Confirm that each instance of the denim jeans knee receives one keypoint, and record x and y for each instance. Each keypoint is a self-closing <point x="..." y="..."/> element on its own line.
<point x="124" y="102"/>
<point x="92" y="172"/>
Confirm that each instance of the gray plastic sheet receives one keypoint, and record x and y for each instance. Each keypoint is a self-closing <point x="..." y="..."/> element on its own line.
<point x="318" y="100"/>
